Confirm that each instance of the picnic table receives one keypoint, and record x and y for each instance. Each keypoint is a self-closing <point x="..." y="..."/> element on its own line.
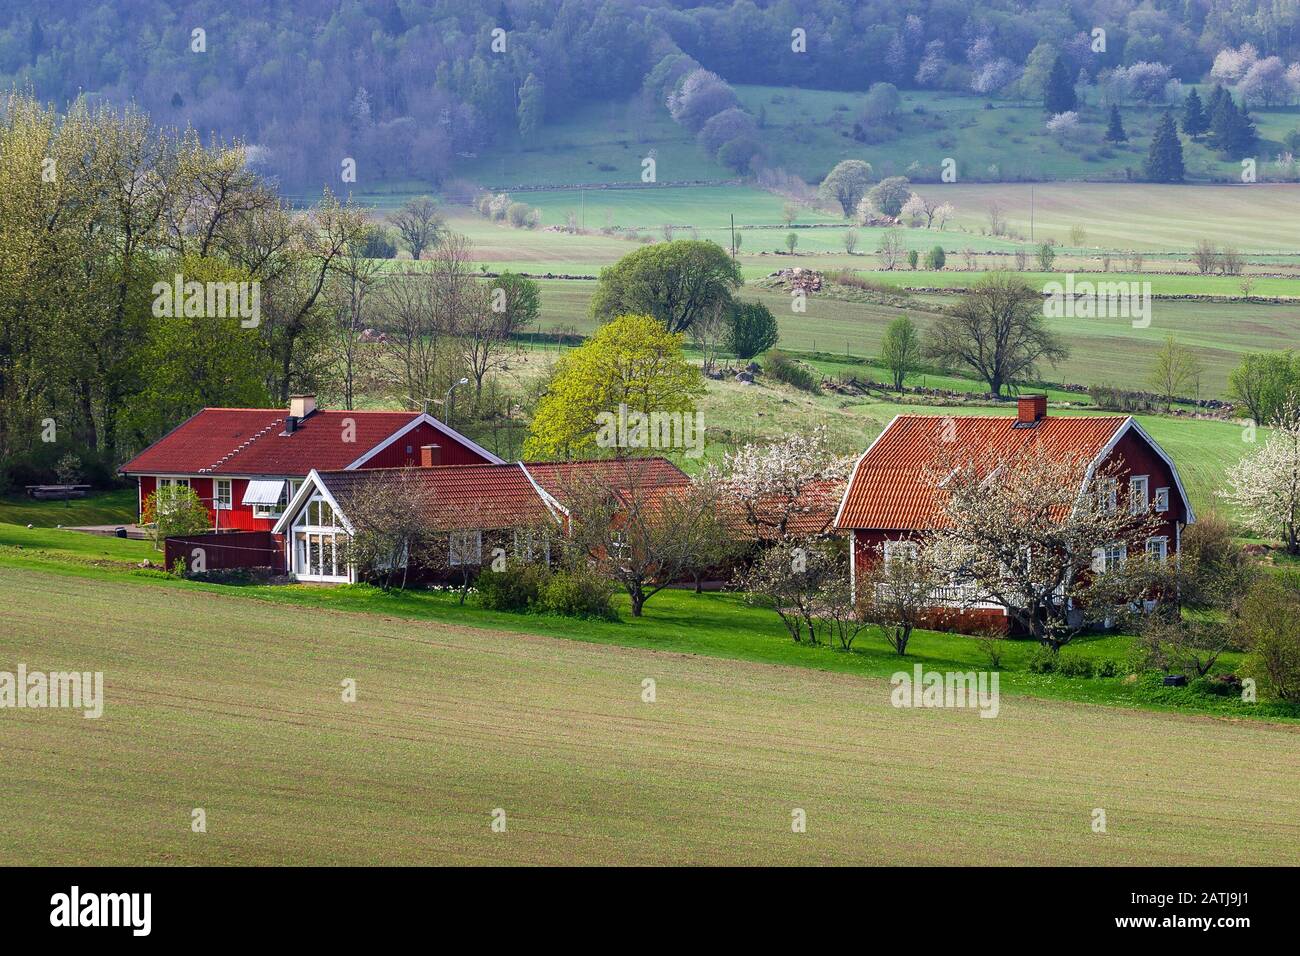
<point x="56" y="492"/>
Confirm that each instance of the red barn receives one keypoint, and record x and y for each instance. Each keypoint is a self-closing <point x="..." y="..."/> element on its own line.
<point x="246" y="463"/>
<point x="889" y="499"/>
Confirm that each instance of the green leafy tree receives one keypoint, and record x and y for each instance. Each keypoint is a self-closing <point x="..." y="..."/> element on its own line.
<point x="936" y="258"/>
<point x="174" y="512"/>
<point x="847" y="183"/>
<point x="1058" y="90"/>
<point x="751" y="329"/>
<point x="888" y="196"/>
<point x="1046" y="254"/>
<point x="901" y="350"/>
<point x="1164" y="162"/>
<point x="1262" y="383"/>
<point x="676" y="282"/>
<point x="791" y="240"/>
<point x="632" y="361"/>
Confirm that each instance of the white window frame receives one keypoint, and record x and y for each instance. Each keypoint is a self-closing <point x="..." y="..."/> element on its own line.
<point x="1108" y="494"/>
<point x="1162" y="499"/>
<point x="222" y="500"/>
<point x="160" y="482"/>
<point x="526" y="545"/>
<point x="302" y="533"/>
<point x="1137" y="501"/>
<point x="1161" y="549"/>
<point x="1115" y="556"/>
<point x="463" y="544"/>
<point x="899" y="549"/>
<point x="271" y="512"/>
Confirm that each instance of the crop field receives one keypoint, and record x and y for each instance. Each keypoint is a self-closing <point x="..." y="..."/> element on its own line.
<point x="235" y="707"/>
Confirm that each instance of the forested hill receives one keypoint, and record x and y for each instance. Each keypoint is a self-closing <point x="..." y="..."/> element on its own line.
<point x="407" y="85"/>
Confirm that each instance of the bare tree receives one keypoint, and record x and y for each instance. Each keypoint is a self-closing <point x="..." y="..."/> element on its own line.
<point x="892" y="248"/>
<point x="997" y="330"/>
<point x="790" y="578"/>
<point x="353" y="283"/>
<point x="637" y="532"/>
<point x="708" y="332"/>
<point x="899" y="590"/>
<point x="389" y="512"/>
<point x="1176" y="369"/>
<point x="419" y="224"/>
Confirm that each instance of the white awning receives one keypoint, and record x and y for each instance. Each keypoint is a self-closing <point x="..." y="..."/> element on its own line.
<point x="262" y="491"/>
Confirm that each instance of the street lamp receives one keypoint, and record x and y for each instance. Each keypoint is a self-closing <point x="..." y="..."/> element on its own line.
<point x="447" y="401"/>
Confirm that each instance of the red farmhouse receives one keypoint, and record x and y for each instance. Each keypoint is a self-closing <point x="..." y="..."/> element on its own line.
<point x="889" y="499"/>
<point x="245" y="464"/>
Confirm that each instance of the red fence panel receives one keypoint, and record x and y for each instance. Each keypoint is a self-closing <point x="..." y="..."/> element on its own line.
<point x="227" y="550"/>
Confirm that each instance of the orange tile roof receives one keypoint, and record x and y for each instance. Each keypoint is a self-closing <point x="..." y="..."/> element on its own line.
<point x="889" y="488"/>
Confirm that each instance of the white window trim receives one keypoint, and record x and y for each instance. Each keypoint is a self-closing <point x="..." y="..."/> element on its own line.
<point x="1162" y="499"/>
<point x="456" y="556"/>
<point x="895" y="549"/>
<point x="273" y="512"/>
<point x="1137" y="503"/>
<point x="223" y="502"/>
<point x="1108" y="494"/>
<point x="1163" y="550"/>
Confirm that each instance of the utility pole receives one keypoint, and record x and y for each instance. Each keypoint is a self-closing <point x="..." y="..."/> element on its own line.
<point x="1031" y="212"/>
<point x="733" y="236"/>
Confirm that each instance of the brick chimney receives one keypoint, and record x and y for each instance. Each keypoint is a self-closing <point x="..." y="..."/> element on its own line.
<point x="300" y="406"/>
<point x="430" y="455"/>
<point x="1031" y="409"/>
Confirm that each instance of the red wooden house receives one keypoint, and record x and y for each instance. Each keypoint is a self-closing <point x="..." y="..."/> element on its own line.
<point x="245" y="464"/>
<point x="889" y="498"/>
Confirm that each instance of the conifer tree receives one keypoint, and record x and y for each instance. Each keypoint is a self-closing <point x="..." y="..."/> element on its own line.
<point x="1115" y="129"/>
<point x="1164" y="163"/>
<point x="1058" y="91"/>
<point x="1194" y="119"/>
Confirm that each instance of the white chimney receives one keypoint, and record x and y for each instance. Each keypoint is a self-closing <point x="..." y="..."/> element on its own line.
<point x="300" y="406"/>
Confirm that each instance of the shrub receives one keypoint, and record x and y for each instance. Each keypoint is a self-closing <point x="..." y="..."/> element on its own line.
<point x="1108" y="668"/>
<point x="1074" y="666"/>
<point x="1270" y="631"/>
<point x="751" y="329"/>
<point x="379" y="244"/>
<point x="784" y="368"/>
<point x="578" y="592"/>
<point x="516" y="588"/>
<point x="935" y="258"/>
<point x="1042" y="661"/>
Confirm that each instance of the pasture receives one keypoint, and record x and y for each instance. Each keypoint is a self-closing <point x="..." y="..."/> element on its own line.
<point x="234" y="706"/>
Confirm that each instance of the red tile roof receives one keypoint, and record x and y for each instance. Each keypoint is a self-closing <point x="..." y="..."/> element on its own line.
<point x="250" y="441"/>
<point x="485" y="497"/>
<point x="812" y="516"/>
<point x="889" y="489"/>
<point x="558" y="478"/>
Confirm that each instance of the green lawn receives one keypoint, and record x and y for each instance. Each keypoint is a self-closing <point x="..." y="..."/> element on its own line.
<point x="711" y="624"/>
<point x="101" y="507"/>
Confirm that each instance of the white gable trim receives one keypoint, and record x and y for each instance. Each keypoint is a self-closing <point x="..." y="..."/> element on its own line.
<point x="548" y="499"/>
<point x="311" y="485"/>
<point x="839" y="512"/>
<point x="1131" y="423"/>
<point x="425" y="419"/>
